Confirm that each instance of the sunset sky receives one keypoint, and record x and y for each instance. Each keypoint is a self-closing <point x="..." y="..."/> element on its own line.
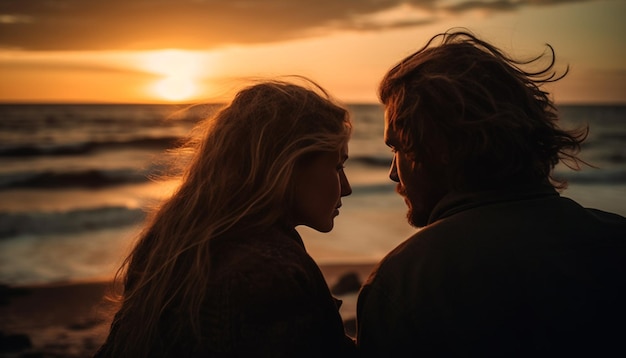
<point x="195" y="50"/>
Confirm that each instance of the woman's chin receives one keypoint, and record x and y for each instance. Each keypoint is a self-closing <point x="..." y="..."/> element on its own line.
<point x="323" y="228"/>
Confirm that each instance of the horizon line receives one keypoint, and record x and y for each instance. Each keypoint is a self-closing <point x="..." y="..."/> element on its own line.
<point x="164" y="103"/>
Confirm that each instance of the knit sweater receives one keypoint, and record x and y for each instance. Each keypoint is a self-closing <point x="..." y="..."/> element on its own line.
<point x="266" y="298"/>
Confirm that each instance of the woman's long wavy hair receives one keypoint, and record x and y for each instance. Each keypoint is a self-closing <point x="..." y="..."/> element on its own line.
<point x="463" y="103"/>
<point x="238" y="180"/>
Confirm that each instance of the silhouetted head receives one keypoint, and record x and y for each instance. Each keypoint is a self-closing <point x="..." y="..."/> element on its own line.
<point x="469" y="118"/>
<point x="249" y="150"/>
<point x="273" y="155"/>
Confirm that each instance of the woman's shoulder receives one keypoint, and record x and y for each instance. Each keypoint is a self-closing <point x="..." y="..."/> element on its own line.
<point x="271" y="254"/>
<point x="264" y="269"/>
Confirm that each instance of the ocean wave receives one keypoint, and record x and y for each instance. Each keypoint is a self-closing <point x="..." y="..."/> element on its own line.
<point x="32" y="150"/>
<point x="91" y="178"/>
<point x="372" y="160"/>
<point x="100" y="179"/>
<point x="617" y="137"/>
<point x="379" y="188"/>
<point x="613" y="158"/>
<point x="591" y="176"/>
<point x="14" y="224"/>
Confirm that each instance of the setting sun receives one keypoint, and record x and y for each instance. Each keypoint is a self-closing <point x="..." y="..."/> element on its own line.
<point x="176" y="88"/>
<point x="180" y="73"/>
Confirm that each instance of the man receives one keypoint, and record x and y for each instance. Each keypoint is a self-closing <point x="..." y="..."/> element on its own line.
<point x="503" y="265"/>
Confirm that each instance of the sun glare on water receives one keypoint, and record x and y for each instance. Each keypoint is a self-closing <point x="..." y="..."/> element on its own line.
<point x="180" y="73"/>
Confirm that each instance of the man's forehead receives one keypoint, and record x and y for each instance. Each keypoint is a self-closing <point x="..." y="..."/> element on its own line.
<point x="390" y="135"/>
<point x="388" y="117"/>
<point x="390" y="114"/>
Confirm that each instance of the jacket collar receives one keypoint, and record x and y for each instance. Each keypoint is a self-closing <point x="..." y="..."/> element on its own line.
<point x="455" y="202"/>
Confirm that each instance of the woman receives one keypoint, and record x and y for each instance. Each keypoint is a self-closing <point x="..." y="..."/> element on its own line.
<point x="219" y="269"/>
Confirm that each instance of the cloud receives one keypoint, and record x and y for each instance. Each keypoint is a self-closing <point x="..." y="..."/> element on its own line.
<point x="499" y="5"/>
<point x="204" y="24"/>
<point x="69" y="65"/>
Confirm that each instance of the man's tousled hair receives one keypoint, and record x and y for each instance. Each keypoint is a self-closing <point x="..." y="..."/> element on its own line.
<point x="462" y="102"/>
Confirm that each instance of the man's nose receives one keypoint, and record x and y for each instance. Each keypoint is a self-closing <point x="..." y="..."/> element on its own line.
<point x="393" y="171"/>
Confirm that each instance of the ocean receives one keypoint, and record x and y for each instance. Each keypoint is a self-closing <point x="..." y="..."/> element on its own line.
<point x="75" y="180"/>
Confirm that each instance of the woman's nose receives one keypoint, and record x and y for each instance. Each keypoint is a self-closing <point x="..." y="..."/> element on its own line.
<point x="393" y="171"/>
<point x="346" y="189"/>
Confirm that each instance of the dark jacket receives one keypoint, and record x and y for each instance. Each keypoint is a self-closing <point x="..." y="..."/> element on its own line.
<point x="526" y="273"/>
<point x="266" y="298"/>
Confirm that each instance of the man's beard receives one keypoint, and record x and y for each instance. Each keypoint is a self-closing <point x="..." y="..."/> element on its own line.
<point x="412" y="216"/>
<point x="417" y="221"/>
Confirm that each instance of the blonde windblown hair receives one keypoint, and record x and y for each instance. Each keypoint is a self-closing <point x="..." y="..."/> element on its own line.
<point x="238" y="180"/>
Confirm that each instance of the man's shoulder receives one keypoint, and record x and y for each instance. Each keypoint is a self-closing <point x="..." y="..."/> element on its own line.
<point x="507" y="228"/>
<point x="425" y="243"/>
<point x="431" y="238"/>
<point x="607" y="217"/>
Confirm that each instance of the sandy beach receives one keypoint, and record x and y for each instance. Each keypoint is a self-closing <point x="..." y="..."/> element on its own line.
<point x="72" y="320"/>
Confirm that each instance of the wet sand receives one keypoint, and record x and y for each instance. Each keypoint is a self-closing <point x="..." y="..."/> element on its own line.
<point x="72" y="320"/>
